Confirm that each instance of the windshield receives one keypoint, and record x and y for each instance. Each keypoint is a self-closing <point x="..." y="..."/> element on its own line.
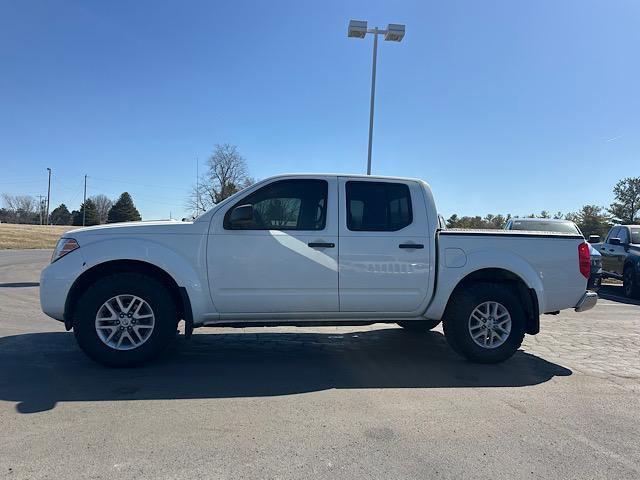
<point x="545" y="226"/>
<point x="635" y="235"/>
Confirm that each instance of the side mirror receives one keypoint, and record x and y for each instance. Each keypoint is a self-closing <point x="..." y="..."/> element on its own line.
<point x="615" y="241"/>
<point x="594" y="239"/>
<point x="240" y="215"/>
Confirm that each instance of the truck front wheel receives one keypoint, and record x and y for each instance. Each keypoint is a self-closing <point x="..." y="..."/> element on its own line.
<point x="125" y="319"/>
<point x="484" y="322"/>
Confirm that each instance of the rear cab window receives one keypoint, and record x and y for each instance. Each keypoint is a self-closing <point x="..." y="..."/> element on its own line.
<point x="544" y="226"/>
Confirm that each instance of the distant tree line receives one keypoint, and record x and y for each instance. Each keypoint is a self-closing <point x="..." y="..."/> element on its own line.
<point x="96" y="210"/>
<point x="591" y="219"/>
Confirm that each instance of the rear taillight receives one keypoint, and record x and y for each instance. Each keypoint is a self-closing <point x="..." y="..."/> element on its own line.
<point x="584" y="259"/>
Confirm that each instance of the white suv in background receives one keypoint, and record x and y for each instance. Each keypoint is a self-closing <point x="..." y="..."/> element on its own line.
<point x="564" y="226"/>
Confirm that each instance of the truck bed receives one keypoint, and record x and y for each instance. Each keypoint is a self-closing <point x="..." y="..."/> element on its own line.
<point x="546" y="261"/>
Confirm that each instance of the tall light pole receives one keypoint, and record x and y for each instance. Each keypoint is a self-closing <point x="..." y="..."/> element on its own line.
<point x="84" y="202"/>
<point x="393" y="33"/>
<point x="48" y="196"/>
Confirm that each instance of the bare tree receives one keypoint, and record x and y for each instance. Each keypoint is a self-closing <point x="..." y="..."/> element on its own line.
<point x="21" y="208"/>
<point x="103" y="204"/>
<point x="226" y="174"/>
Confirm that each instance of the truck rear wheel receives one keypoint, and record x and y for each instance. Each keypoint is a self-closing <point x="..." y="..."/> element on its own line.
<point x="419" y="325"/>
<point x="484" y="323"/>
<point x="125" y="319"/>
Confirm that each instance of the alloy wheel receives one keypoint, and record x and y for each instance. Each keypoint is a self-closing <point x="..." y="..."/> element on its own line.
<point x="490" y="324"/>
<point x="125" y="322"/>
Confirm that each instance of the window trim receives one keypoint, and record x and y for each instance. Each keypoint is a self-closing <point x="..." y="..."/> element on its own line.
<point x="226" y="224"/>
<point x="348" y="201"/>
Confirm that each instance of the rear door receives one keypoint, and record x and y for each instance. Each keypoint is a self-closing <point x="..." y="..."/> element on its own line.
<point x="384" y="250"/>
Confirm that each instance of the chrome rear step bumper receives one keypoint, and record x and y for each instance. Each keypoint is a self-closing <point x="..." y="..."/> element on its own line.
<point x="587" y="302"/>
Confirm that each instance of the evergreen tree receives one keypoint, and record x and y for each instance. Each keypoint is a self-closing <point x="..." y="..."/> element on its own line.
<point x="90" y="213"/>
<point x="61" y="215"/>
<point x="123" y="210"/>
<point x="592" y="220"/>
<point x="626" y="207"/>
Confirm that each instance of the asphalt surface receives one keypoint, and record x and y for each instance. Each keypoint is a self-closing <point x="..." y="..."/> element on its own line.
<point x="347" y="402"/>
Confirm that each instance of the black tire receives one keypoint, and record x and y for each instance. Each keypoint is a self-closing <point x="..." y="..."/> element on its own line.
<point x="419" y="325"/>
<point x="457" y="317"/>
<point x="145" y="287"/>
<point x="629" y="283"/>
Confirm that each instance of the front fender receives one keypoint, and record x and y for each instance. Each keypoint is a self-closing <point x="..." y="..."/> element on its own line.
<point x="185" y="264"/>
<point x="449" y="278"/>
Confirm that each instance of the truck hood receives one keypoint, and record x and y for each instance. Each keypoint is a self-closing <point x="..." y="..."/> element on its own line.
<point x="125" y="228"/>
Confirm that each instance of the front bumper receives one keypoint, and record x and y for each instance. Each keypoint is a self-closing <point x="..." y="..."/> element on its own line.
<point x="587" y="302"/>
<point x="55" y="282"/>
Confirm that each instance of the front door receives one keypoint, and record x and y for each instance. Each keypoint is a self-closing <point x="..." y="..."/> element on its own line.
<point x="285" y="257"/>
<point x="384" y="247"/>
<point x="607" y="250"/>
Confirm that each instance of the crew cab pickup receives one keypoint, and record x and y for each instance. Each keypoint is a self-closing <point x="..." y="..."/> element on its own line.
<point x="621" y="257"/>
<point x="311" y="250"/>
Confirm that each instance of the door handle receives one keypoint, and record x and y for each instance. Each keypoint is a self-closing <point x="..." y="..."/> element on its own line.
<point x="411" y="245"/>
<point x="321" y="245"/>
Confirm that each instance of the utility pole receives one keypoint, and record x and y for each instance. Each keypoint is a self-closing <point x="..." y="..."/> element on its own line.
<point x="48" y="196"/>
<point x="84" y="206"/>
<point x="197" y="189"/>
<point x="40" y="197"/>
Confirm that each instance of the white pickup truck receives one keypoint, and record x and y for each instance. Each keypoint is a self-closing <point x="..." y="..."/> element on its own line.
<point x="311" y="250"/>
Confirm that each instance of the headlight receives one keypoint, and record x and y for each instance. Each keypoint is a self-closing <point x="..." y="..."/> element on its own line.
<point x="64" y="246"/>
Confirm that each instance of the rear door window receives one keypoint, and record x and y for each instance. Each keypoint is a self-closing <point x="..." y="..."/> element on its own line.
<point x="378" y="206"/>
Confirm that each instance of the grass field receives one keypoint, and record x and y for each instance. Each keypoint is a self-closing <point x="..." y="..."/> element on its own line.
<point x="14" y="236"/>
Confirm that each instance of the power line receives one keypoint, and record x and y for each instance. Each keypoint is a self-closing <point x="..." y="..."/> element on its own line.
<point x="137" y="183"/>
<point x="20" y="182"/>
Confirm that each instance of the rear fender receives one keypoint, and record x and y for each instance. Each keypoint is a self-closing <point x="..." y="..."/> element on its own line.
<point x="449" y="278"/>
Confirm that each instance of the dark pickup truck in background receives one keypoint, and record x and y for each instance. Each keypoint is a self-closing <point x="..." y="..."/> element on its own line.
<point x="621" y="256"/>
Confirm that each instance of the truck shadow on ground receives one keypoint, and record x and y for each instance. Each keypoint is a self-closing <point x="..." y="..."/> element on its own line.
<point x="615" y="293"/>
<point x="41" y="369"/>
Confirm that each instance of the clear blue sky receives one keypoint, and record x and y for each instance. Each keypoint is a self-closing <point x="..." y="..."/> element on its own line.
<point x="502" y="106"/>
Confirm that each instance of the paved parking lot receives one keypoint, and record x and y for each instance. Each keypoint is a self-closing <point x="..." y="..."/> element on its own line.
<point x="348" y="402"/>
